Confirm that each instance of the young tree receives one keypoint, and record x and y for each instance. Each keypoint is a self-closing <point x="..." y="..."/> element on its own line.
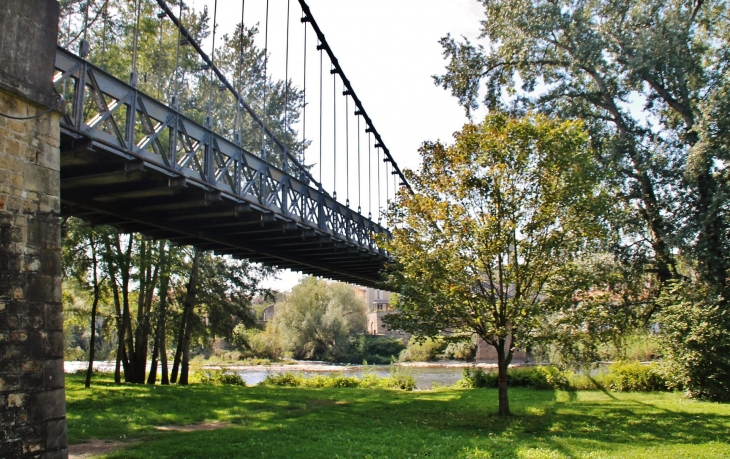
<point x="490" y="220"/>
<point x="319" y="319"/>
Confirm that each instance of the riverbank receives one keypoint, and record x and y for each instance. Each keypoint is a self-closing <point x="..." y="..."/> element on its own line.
<point x="425" y="374"/>
<point x="285" y="422"/>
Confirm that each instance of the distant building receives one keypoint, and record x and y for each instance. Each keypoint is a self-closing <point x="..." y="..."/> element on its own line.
<point x="268" y="313"/>
<point x="486" y="353"/>
<point x="378" y="306"/>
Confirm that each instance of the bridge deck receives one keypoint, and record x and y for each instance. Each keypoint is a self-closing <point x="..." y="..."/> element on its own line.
<point x="194" y="187"/>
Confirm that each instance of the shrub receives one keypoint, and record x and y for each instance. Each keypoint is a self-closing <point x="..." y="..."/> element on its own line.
<point x="422" y="351"/>
<point x="619" y="377"/>
<point x="218" y="378"/>
<point x="339" y="380"/>
<point x="695" y="330"/>
<point x="475" y="378"/>
<point x="375" y="349"/>
<point x="632" y="376"/>
<point x="463" y="350"/>
<point x="254" y="343"/>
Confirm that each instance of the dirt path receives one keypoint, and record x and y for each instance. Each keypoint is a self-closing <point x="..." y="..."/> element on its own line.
<point x="96" y="447"/>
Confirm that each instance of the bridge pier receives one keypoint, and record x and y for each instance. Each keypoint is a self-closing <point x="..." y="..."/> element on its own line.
<point x="32" y="396"/>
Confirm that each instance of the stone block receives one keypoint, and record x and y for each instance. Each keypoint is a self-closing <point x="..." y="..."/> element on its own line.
<point x="54" y="316"/>
<point x="19" y="336"/>
<point x="56" y="435"/>
<point x="11" y="160"/>
<point x="50" y="262"/>
<point x="33" y="445"/>
<point x="40" y="288"/>
<point x="49" y="156"/>
<point x="31" y="365"/>
<point x="17" y="126"/>
<point x="58" y="454"/>
<point x="50" y="204"/>
<point x="53" y="376"/>
<point x="11" y="448"/>
<point x="8" y="366"/>
<point x="48" y="405"/>
<point x="32" y="382"/>
<point x="9" y="382"/>
<point x="15" y="351"/>
<point x="31" y="322"/>
<point x="25" y="307"/>
<point x="17" y="400"/>
<point x="11" y="321"/>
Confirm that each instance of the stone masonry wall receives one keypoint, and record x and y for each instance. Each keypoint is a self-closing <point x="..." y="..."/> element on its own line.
<point x="32" y="398"/>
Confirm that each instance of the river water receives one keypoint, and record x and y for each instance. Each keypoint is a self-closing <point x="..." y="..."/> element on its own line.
<point x="425" y="375"/>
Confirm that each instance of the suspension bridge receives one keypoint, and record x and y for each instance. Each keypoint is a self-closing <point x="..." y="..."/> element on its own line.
<point x="143" y="165"/>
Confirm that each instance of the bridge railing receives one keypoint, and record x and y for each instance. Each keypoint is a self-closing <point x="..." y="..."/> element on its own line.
<point x="104" y="109"/>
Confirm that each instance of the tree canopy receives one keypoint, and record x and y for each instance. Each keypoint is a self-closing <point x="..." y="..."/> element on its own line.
<point x="319" y="319"/>
<point x="491" y="219"/>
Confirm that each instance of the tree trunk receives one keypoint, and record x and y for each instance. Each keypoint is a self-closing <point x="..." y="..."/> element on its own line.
<point x="159" y="348"/>
<point x="112" y="271"/>
<point x="503" y="360"/>
<point x="94" y="305"/>
<point x="178" y="350"/>
<point x="189" y="304"/>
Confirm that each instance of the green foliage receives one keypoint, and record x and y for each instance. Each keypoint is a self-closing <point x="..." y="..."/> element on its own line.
<point x="287" y="422"/>
<point x="375" y="349"/>
<point x="462" y="350"/>
<point x="256" y="344"/>
<point x="695" y="325"/>
<point x="423" y="350"/>
<point x="368" y="380"/>
<point x="632" y="376"/>
<point x="319" y="320"/>
<point x="619" y="377"/>
<point x="218" y="378"/>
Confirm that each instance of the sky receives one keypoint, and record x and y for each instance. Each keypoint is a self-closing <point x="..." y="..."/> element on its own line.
<point x="389" y="51"/>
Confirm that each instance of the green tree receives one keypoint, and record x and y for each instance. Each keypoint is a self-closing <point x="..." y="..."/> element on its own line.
<point x="491" y="219"/>
<point x="319" y="319"/>
<point x="649" y="80"/>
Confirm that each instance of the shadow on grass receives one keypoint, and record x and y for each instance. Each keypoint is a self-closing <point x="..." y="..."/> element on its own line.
<point x="293" y="422"/>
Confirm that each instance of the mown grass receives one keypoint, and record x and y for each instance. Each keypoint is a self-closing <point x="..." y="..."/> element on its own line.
<point x="291" y="422"/>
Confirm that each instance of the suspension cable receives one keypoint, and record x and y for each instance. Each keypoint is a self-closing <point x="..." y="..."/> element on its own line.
<point x="370" y="179"/>
<point x="359" y="192"/>
<point x="286" y="87"/>
<point x="266" y="84"/>
<point x="321" y="68"/>
<point x="347" y="151"/>
<point x="239" y="128"/>
<point x="304" y="95"/>
<point x="379" y="202"/>
<point x="209" y="118"/>
<point x="133" y="76"/>
<point x="84" y="46"/>
<point x="387" y="190"/>
<point x="334" y="129"/>
<point x="177" y="62"/>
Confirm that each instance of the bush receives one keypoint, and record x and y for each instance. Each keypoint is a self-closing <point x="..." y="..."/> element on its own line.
<point x="632" y="376"/>
<point x="254" y="343"/>
<point x="339" y="380"/>
<point x="218" y="378"/>
<point x="423" y="351"/>
<point x="375" y="349"/>
<point x="463" y="350"/>
<point x="620" y="377"/>
<point x="695" y="331"/>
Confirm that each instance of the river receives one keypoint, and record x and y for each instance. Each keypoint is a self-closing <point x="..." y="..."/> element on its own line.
<point x="425" y="374"/>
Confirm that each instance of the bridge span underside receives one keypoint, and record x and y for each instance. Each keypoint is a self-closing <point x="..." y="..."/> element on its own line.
<point x="131" y="162"/>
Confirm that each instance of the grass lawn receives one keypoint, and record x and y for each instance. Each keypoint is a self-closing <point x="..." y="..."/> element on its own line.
<point x="282" y="422"/>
